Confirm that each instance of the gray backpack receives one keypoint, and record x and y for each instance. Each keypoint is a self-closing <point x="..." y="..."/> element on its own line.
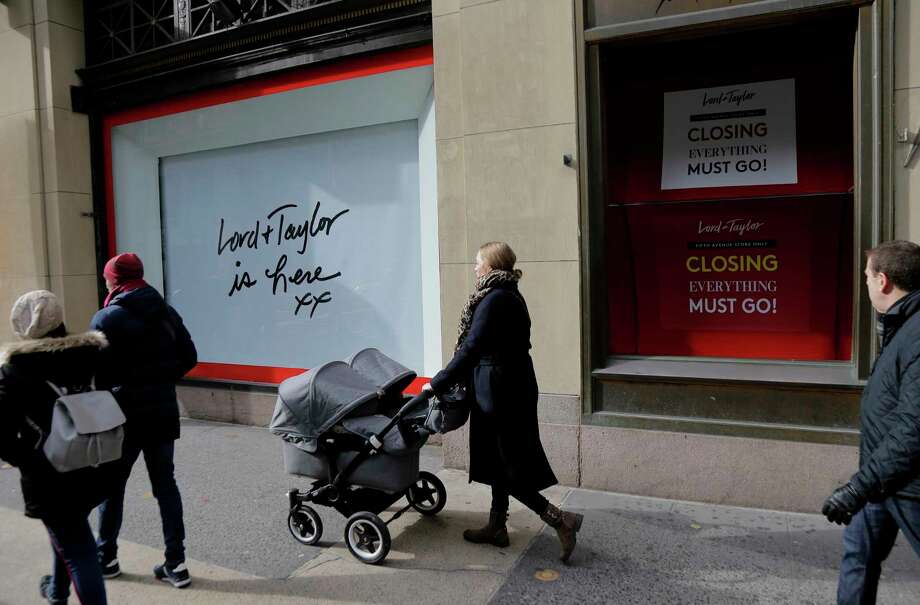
<point x="86" y="429"/>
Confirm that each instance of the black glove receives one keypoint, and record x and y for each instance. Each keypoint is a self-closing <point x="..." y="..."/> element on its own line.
<point x="845" y="502"/>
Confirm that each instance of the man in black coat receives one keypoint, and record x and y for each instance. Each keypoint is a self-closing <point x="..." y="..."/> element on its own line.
<point x="883" y="497"/>
<point x="150" y="350"/>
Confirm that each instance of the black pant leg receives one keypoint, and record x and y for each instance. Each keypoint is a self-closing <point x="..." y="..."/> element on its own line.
<point x="499" y="498"/>
<point x="158" y="457"/>
<point x="531" y="499"/>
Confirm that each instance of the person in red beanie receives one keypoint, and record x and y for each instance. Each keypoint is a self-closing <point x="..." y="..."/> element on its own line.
<point x="123" y="273"/>
<point x="150" y="349"/>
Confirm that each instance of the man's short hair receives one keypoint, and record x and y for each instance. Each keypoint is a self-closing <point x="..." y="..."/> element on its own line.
<point x="900" y="261"/>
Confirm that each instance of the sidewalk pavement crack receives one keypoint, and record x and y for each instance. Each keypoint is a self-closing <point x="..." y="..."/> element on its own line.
<point x="457" y="570"/>
<point x="520" y="556"/>
<point x="314" y="564"/>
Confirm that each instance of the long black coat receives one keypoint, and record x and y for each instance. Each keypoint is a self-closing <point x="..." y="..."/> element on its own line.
<point x="69" y="362"/>
<point x="505" y="446"/>
<point x="889" y="450"/>
<point x="150" y="350"/>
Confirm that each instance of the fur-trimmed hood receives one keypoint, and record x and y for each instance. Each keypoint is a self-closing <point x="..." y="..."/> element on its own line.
<point x="27" y="404"/>
<point x="52" y="345"/>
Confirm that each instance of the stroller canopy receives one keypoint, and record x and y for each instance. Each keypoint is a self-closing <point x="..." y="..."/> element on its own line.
<point x="389" y="375"/>
<point x="311" y="403"/>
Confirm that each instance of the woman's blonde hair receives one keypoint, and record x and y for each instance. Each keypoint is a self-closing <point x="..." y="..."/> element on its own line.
<point x="499" y="256"/>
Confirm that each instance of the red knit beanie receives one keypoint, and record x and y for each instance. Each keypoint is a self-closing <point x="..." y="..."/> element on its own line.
<point x="123" y="268"/>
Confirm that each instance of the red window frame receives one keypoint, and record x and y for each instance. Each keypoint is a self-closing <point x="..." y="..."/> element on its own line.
<point x="345" y="69"/>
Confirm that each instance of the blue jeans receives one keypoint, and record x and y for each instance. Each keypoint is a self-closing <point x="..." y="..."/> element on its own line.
<point x="158" y="456"/>
<point x="867" y="542"/>
<point x="73" y="550"/>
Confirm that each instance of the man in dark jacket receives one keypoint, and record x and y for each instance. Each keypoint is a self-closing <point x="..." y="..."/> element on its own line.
<point x="883" y="497"/>
<point x="150" y="350"/>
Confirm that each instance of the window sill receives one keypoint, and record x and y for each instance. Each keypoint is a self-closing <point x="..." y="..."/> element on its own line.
<point x="725" y="428"/>
<point x="795" y="374"/>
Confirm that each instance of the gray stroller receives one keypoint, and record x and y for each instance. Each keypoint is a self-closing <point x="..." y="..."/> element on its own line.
<point x="348" y="426"/>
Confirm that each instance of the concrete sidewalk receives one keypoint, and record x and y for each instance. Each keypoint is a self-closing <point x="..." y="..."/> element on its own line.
<point x="631" y="549"/>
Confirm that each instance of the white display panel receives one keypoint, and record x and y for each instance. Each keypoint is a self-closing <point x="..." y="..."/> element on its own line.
<point x="291" y="253"/>
<point x="366" y="144"/>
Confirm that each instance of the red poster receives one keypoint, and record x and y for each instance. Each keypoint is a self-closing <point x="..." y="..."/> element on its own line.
<point x="741" y="278"/>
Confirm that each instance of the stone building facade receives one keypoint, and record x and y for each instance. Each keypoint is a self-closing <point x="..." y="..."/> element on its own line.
<point x="524" y="149"/>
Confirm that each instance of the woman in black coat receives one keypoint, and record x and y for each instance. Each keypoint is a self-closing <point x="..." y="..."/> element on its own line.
<point x="492" y="357"/>
<point x="62" y="501"/>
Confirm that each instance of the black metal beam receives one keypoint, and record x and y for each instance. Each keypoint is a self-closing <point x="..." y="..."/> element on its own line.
<point x="322" y="32"/>
<point x="221" y="71"/>
<point x="337" y="29"/>
<point x="100" y="217"/>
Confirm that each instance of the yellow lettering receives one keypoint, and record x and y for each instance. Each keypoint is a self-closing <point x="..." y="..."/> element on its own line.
<point x="732" y="264"/>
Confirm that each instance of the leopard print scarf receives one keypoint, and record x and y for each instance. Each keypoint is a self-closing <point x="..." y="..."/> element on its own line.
<point x="485" y="284"/>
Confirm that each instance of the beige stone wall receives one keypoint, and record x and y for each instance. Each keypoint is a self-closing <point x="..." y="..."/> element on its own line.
<point x="907" y="115"/>
<point x="46" y="226"/>
<point x="505" y="104"/>
<point x="23" y="257"/>
<point x="759" y="473"/>
<point x="506" y="114"/>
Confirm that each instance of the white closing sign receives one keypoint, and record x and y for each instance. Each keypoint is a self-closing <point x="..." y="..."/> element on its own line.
<point x="726" y="136"/>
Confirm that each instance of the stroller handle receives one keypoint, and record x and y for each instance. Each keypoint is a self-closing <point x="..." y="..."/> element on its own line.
<point x="413" y="403"/>
<point x="423" y="397"/>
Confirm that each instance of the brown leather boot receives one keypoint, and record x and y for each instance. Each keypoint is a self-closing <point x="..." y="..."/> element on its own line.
<point x="494" y="533"/>
<point x="566" y="525"/>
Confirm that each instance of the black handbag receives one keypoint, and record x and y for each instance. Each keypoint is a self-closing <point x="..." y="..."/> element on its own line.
<point x="449" y="411"/>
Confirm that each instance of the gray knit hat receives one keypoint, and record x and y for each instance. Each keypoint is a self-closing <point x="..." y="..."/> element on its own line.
<point x="35" y="314"/>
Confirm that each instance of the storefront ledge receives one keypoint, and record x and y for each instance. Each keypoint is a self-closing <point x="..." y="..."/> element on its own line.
<point x="238" y="404"/>
<point x="559" y="409"/>
<point x="724" y="428"/>
<point x="456" y="448"/>
<point x="794" y="374"/>
<point x="735" y="471"/>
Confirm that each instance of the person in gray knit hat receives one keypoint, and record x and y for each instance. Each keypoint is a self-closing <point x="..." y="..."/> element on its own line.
<point x="36" y="314"/>
<point x="47" y="353"/>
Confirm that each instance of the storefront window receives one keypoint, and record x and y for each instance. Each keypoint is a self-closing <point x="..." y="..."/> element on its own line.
<point x="289" y="219"/>
<point x="729" y="210"/>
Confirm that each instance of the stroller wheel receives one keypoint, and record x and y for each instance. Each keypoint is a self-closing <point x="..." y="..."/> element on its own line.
<point x="427" y="495"/>
<point x="305" y="525"/>
<point x="367" y="537"/>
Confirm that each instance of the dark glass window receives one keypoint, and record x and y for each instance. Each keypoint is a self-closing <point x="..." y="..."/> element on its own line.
<point x="729" y="194"/>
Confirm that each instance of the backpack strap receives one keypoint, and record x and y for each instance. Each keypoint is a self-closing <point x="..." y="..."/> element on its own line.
<point x="38" y="431"/>
<point x="59" y="390"/>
